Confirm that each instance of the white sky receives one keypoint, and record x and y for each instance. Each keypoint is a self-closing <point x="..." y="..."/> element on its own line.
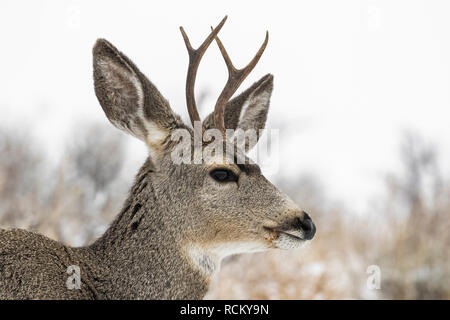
<point x="350" y="76"/>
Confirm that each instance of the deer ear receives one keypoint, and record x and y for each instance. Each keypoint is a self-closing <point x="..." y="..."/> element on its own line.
<point x="249" y="109"/>
<point x="255" y="108"/>
<point x="130" y="101"/>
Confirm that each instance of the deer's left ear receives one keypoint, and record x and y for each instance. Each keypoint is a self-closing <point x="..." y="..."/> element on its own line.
<point x="130" y="101"/>
<point x="249" y="109"/>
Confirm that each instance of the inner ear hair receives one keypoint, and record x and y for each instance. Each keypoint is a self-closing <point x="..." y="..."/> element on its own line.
<point x="130" y="101"/>
<point x="119" y="89"/>
<point x="233" y="110"/>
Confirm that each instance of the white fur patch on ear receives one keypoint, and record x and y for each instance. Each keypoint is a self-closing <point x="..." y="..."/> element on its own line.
<point x="139" y="90"/>
<point x="155" y="136"/>
<point x="155" y="133"/>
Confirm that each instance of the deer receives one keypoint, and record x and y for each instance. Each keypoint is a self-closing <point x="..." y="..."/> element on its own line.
<point x="179" y="221"/>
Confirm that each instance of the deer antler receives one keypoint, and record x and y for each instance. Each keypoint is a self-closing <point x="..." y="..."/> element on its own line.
<point x="235" y="78"/>
<point x="194" y="60"/>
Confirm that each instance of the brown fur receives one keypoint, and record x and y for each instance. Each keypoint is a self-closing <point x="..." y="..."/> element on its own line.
<point x="177" y="220"/>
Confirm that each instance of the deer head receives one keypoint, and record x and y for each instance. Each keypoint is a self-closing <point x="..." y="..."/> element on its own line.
<point x="210" y="209"/>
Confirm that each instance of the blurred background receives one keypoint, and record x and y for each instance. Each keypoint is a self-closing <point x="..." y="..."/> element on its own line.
<point x="361" y="99"/>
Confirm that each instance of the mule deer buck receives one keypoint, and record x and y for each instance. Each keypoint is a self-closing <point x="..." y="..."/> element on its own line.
<point x="180" y="220"/>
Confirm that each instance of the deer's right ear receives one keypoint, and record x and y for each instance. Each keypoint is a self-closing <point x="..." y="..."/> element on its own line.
<point x="130" y="101"/>
<point x="249" y="109"/>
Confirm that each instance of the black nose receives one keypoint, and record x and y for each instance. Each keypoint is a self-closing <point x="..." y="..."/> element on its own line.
<point x="308" y="227"/>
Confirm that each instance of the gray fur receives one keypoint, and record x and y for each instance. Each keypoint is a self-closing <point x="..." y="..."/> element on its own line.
<point x="177" y="222"/>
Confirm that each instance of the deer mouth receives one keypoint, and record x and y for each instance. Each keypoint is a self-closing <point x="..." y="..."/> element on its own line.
<point x="296" y="234"/>
<point x="286" y="239"/>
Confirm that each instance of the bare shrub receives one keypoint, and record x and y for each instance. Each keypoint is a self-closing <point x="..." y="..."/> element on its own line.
<point x="406" y="234"/>
<point x="72" y="201"/>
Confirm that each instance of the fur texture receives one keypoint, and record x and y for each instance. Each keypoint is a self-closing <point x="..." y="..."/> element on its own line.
<point x="177" y="222"/>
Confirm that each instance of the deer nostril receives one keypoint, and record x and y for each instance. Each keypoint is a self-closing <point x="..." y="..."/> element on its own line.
<point x="306" y="216"/>
<point x="307" y="226"/>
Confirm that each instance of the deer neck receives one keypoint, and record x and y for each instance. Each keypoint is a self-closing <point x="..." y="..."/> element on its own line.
<point x="144" y="257"/>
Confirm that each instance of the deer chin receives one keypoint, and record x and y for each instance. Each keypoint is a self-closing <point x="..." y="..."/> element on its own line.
<point x="287" y="239"/>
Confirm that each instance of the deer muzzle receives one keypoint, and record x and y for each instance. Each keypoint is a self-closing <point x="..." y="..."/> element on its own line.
<point x="293" y="232"/>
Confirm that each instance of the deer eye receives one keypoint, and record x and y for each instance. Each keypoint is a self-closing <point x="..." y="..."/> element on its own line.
<point x="223" y="175"/>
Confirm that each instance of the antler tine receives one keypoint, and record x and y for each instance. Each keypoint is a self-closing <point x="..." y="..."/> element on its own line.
<point x="235" y="78"/>
<point x="195" y="55"/>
